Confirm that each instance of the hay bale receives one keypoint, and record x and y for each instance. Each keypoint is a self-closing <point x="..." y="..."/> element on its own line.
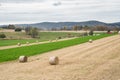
<point x="37" y="41"/>
<point x="90" y="40"/>
<point x="94" y="34"/>
<point x="19" y="44"/>
<point x="54" y="60"/>
<point x="50" y="40"/>
<point x="27" y="42"/>
<point x="56" y="39"/>
<point x="97" y="34"/>
<point x="119" y="32"/>
<point x="23" y="59"/>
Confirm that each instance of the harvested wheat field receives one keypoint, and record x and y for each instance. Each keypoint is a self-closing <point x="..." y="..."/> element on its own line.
<point x="99" y="60"/>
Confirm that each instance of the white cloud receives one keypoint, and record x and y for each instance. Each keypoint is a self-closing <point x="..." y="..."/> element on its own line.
<point x="18" y="11"/>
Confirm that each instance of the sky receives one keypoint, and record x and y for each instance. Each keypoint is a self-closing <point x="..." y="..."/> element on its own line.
<point x="34" y="11"/>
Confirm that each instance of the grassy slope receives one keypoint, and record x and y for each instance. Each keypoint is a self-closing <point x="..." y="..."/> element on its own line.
<point x="12" y="54"/>
<point x="44" y="36"/>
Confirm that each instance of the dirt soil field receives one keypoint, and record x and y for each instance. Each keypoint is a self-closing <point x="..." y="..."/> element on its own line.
<point x="99" y="60"/>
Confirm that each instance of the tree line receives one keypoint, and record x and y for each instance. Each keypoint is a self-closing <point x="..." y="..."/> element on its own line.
<point x="85" y="28"/>
<point x="75" y="28"/>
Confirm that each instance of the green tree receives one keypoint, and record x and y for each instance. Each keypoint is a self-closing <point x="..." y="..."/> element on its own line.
<point x="18" y="30"/>
<point x="2" y="35"/>
<point x="91" y="32"/>
<point x="34" y="32"/>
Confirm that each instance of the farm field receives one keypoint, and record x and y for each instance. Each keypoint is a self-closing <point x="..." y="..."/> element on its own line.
<point x="59" y="39"/>
<point x="99" y="60"/>
<point x="14" y="53"/>
<point x="21" y="37"/>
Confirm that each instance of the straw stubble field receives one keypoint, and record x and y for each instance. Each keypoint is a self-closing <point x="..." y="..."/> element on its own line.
<point x="99" y="60"/>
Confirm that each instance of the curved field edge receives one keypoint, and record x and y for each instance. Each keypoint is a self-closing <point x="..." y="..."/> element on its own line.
<point x="14" y="53"/>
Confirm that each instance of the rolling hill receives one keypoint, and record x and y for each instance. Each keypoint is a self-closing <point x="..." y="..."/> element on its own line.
<point x="49" y="25"/>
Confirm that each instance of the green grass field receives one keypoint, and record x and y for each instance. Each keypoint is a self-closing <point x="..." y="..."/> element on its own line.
<point x="13" y="54"/>
<point x="21" y="37"/>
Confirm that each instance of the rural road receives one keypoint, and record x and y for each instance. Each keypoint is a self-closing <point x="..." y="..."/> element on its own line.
<point x="99" y="60"/>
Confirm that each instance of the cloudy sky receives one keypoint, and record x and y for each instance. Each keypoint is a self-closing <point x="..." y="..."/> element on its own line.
<point x="33" y="11"/>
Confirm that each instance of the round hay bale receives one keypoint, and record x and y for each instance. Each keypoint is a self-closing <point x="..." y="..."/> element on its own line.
<point x="97" y="34"/>
<point x="56" y="39"/>
<point x="19" y="44"/>
<point x="94" y="34"/>
<point x="27" y="42"/>
<point x="54" y="60"/>
<point x="37" y="41"/>
<point x="50" y="40"/>
<point x="90" y="40"/>
<point x="23" y="59"/>
<point x="119" y="32"/>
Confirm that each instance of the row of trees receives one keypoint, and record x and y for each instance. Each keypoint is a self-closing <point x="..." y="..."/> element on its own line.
<point x="75" y="28"/>
<point x="95" y="28"/>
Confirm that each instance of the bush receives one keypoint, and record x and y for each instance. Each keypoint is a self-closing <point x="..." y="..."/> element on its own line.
<point x="2" y="36"/>
<point x="91" y="32"/>
<point x="109" y="31"/>
<point x="18" y="30"/>
<point x="34" y="32"/>
<point x="59" y="37"/>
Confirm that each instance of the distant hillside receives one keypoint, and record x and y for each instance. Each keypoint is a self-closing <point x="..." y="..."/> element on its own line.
<point x="115" y="24"/>
<point x="62" y="24"/>
<point x="49" y="25"/>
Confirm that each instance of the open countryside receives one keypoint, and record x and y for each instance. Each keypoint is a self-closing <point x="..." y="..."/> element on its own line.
<point x="59" y="40"/>
<point x="76" y="55"/>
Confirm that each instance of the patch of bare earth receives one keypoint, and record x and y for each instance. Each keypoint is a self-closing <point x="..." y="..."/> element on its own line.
<point x="99" y="60"/>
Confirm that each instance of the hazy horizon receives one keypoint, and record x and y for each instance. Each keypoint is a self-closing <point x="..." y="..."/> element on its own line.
<point x="29" y="11"/>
